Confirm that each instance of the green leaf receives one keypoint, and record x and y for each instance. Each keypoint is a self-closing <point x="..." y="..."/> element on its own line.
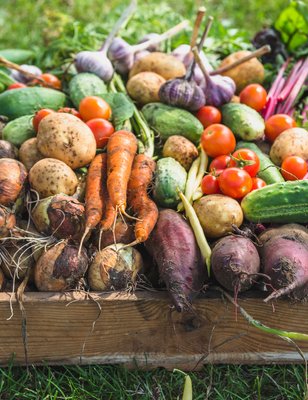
<point x="122" y="108"/>
<point x="292" y="24"/>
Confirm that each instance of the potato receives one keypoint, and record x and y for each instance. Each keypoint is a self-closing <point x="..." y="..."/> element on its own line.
<point x="29" y="153"/>
<point x="163" y="64"/>
<point x="50" y="176"/>
<point x="291" y="142"/>
<point x="251" y="71"/>
<point x="65" y="137"/>
<point x="181" y="149"/>
<point x="144" y="87"/>
<point x="217" y="213"/>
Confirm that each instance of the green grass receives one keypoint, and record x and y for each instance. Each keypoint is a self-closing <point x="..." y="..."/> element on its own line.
<point x="112" y="382"/>
<point x="34" y="24"/>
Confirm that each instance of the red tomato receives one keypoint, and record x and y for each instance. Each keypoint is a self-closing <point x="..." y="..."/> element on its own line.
<point x="50" y="79"/>
<point x="219" y="163"/>
<point x="257" y="183"/>
<point x="293" y="168"/>
<point x="16" y="85"/>
<point x="235" y="182"/>
<point x="208" y="115"/>
<point x="69" y="110"/>
<point x="94" y="107"/>
<point x="209" y="184"/>
<point x="276" y="124"/>
<point x="102" y="130"/>
<point x="217" y="140"/>
<point x="242" y="158"/>
<point x="254" y="96"/>
<point x="39" y="116"/>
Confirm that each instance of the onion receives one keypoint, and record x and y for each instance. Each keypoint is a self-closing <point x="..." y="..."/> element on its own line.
<point x="12" y="177"/>
<point x="8" y="150"/>
<point x="61" y="216"/>
<point x="2" y="280"/>
<point x="17" y="261"/>
<point x="7" y="221"/>
<point x="114" y="268"/>
<point x="60" y="268"/>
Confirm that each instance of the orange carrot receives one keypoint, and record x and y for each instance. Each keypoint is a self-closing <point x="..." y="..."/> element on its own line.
<point x="138" y="199"/>
<point x="94" y="196"/>
<point x="121" y="149"/>
<point x="109" y="215"/>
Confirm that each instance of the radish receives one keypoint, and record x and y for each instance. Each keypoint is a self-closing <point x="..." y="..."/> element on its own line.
<point x="174" y="249"/>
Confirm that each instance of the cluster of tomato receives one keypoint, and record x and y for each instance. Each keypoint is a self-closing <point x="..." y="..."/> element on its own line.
<point x="233" y="173"/>
<point x="94" y="111"/>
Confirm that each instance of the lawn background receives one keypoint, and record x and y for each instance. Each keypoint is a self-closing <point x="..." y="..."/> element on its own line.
<point x="33" y="24"/>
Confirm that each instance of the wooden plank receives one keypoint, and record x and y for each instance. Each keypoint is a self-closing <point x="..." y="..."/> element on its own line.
<point x="141" y="330"/>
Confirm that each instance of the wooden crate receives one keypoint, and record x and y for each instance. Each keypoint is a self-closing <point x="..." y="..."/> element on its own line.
<point x="141" y="330"/>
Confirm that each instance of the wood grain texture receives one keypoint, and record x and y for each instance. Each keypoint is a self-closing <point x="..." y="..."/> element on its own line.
<point x="141" y="330"/>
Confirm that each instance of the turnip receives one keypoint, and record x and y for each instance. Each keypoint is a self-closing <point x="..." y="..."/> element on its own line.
<point x="115" y="268"/>
<point x="173" y="246"/>
<point x="235" y="263"/>
<point x="60" y="268"/>
<point x="60" y="215"/>
<point x="284" y="258"/>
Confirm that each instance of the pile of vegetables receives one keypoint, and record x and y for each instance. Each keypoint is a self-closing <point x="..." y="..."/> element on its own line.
<point x="159" y="167"/>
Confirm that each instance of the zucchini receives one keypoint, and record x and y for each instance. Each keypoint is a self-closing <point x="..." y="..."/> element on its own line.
<point x="170" y="178"/>
<point x="19" y="102"/>
<point x="285" y="202"/>
<point x="17" y="56"/>
<point x="85" y="84"/>
<point x="19" y="130"/>
<point x="167" y="121"/>
<point x="269" y="172"/>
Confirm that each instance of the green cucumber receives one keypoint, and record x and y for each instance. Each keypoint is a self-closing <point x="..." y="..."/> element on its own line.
<point x="170" y="178"/>
<point x="17" y="56"/>
<point x="268" y="171"/>
<point x="6" y="79"/>
<point x="167" y="121"/>
<point x="19" y="102"/>
<point x="19" y="130"/>
<point x="285" y="202"/>
<point x="85" y="84"/>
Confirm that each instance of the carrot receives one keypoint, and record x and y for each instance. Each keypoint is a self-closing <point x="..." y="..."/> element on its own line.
<point x="94" y="196"/>
<point x="138" y="199"/>
<point x="109" y="215"/>
<point x="121" y="150"/>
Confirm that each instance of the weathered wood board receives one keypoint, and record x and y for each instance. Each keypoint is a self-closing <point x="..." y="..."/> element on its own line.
<point x="141" y="330"/>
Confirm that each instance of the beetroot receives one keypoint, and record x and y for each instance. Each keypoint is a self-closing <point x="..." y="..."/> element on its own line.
<point x="235" y="263"/>
<point x="284" y="259"/>
<point x="174" y="249"/>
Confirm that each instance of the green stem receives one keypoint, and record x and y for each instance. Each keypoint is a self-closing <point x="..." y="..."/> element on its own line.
<point x="145" y="132"/>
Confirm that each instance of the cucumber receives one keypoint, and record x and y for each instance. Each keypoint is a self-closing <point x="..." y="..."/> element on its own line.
<point x="167" y="121"/>
<point x="19" y="130"/>
<point x="17" y="56"/>
<point x="269" y="172"/>
<point x="6" y="79"/>
<point x="170" y="177"/>
<point x="19" y="102"/>
<point x="285" y="202"/>
<point x="85" y="84"/>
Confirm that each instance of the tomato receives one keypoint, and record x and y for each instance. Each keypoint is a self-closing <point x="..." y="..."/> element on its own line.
<point x="219" y="163"/>
<point x="208" y="115"/>
<point x="257" y="183"/>
<point x="254" y="96"/>
<point x="94" y="107"/>
<point x="293" y="168"/>
<point x="102" y="130"/>
<point x="276" y="124"/>
<point x="217" y="140"/>
<point x="209" y="184"/>
<point x="240" y="157"/>
<point x="16" y="85"/>
<point x="39" y="115"/>
<point x="235" y="182"/>
<point x="50" y="79"/>
<point x="69" y="110"/>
